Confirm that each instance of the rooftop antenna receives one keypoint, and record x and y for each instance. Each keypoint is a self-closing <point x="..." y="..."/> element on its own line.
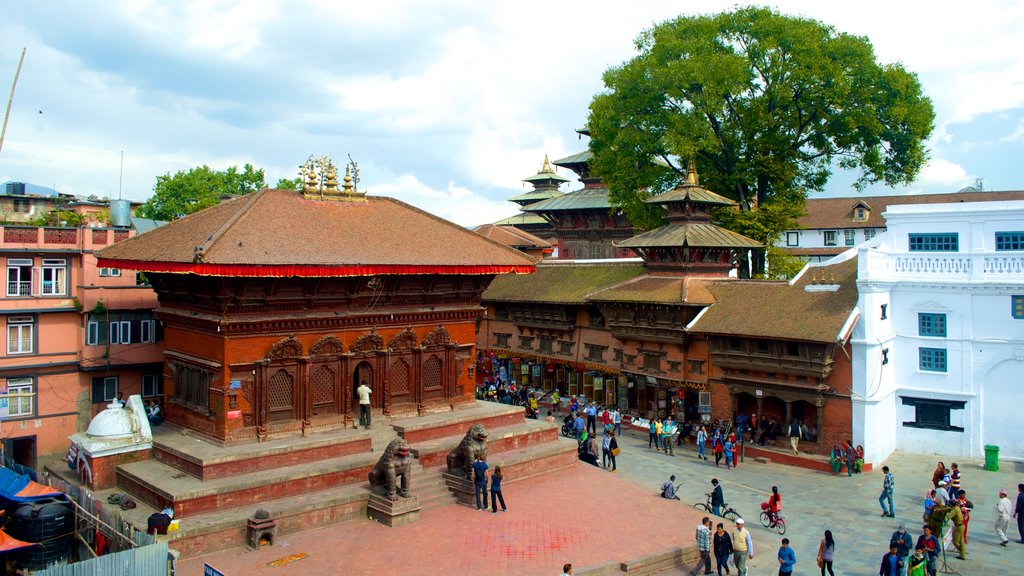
<point x="14" y="85"/>
<point x="979" y="184"/>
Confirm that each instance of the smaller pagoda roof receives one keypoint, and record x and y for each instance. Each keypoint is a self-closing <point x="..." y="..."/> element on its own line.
<point x="657" y="289"/>
<point x="575" y="159"/>
<point x="561" y="282"/>
<point x="690" y="191"/>
<point x="511" y="236"/>
<point x="696" y="234"/>
<point x="522" y="219"/>
<point x="536" y="196"/>
<point x="546" y="173"/>
<point x="595" y="198"/>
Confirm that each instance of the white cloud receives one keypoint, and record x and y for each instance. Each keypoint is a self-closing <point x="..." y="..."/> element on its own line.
<point x="1015" y="136"/>
<point x="940" y="172"/>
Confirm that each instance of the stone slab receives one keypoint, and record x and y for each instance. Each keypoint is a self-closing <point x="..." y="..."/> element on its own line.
<point x="398" y="513"/>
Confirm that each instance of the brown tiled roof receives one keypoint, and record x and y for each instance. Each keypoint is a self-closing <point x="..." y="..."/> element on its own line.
<point x="698" y="234"/>
<point x="660" y="289"/>
<point x="511" y="236"/>
<point x="561" y="283"/>
<point x="280" y="233"/>
<point x="828" y="213"/>
<point x="777" y="310"/>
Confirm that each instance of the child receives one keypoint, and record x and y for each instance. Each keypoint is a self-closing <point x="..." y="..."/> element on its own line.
<point x="496" y="491"/>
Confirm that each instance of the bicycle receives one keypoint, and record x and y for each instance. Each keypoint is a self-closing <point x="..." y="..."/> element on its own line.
<point x="727" y="512"/>
<point x="779" y="525"/>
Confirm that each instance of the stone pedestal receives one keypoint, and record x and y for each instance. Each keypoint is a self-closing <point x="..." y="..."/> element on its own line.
<point x="259" y="529"/>
<point x="397" y="513"/>
<point x="462" y="487"/>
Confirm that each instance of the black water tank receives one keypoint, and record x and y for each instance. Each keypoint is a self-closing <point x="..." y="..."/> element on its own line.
<point x="50" y="522"/>
<point x="15" y="188"/>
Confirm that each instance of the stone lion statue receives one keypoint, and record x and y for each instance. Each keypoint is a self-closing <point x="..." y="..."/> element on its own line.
<point x="392" y="473"/>
<point x="462" y="458"/>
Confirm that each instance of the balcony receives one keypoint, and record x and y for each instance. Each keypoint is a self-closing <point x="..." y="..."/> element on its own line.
<point x="943" y="266"/>
<point x="62" y="238"/>
<point x="19" y="288"/>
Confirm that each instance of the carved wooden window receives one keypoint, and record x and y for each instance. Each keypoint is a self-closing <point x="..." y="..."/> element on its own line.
<point x="546" y="343"/>
<point x="564" y="347"/>
<point x="501" y="313"/>
<point x="432" y="372"/>
<point x="526" y="342"/>
<point x="762" y="347"/>
<point x="398" y="377"/>
<point x="501" y="340"/>
<point x="696" y="366"/>
<point x="323" y="386"/>
<point x="792" y="349"/>
<point x="192" y="384"/>
<point x="618" y="354"/>
<point x="652" y="362"/>
<point x="595" y="353"/>
<point x="280" y="392"/>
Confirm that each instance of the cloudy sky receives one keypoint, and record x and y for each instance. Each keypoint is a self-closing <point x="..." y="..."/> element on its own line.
<point x="444" y="104"/>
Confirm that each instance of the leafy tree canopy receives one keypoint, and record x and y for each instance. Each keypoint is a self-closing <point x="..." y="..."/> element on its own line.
<point x="289" y="184"/>
<point x="187" y="192"/>
<point x="767" y="104"/>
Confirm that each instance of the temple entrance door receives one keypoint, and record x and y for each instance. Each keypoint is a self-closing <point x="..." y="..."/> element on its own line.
<point x="364" y="373"/>
<point x="281" y="396"/>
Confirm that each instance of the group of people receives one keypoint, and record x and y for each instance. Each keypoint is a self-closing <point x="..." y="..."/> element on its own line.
<point x="734" y="545"/>
<point x="845" y="454"/>
<point x="480" y="469"/>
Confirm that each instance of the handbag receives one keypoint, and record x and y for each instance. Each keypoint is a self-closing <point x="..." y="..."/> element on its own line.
<point x="616" y="451"/>
<point x="821" y="563"/>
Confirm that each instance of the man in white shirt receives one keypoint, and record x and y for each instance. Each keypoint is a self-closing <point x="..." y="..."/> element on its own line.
<point x="1004" y="509"/>
<point x="941" y="494"/>
<point x="364" y="405"/>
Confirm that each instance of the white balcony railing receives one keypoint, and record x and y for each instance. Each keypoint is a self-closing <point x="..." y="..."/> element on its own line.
<point x="955" y="266"/>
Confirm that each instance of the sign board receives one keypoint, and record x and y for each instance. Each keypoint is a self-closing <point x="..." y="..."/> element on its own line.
<point x="235" y="385"/>
<point x="211" y="571"/>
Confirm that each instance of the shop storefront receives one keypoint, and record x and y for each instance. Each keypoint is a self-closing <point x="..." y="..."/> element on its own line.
<point x="649" y="396"/>
<point x="594" y="381"/>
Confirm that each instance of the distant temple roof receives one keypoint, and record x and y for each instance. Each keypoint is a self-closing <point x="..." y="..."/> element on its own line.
<point x="595" y="198"/>
<point x="561" y="283"/>
<point x="286" y="233"/>
<point x="657" y="289"/>
<point x="512" y="236"/>
<point x="522" y="219"/>
<point x="695" y="234"/>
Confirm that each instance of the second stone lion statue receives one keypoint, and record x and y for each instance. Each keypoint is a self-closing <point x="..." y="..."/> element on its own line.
<point x="475" y="442"/>
<point x="393" y="471"/>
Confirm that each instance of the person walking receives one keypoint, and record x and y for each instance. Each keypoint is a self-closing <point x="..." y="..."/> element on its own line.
<point x="892" y="564"/>
<point x="617" y="421"/>
<point x="480" y="482"/>
<point x="717" y="497"/>
<point x="930" y="544"/>
<point x="591" y="412"/>
<point x="728" y="448"/>
<point x="742" y="548"/>
<point x="609" y="448"/>
<point x="794" y="435"/>
<point x="703" y="537"/>
<point x="851" y="456"/>
<point x="903" y="543"/>
<point x="668" y="430"/>
<point x="1004" y="509"/>
<point x="702" y="438"/>
<point x="787" y="558"/>
<point x="1018" y="513"/>
<point x="496" y="491"/>
<point x="826" y="553"/>
<point x="567" y="570"/>
<point x="918" y="563"/>
<point x="653" y="438"/>
<point x="364" y="404"/>
<point x="718" y="449"/>
<point x="723" y="548"/>
<point x="888" y="483"/>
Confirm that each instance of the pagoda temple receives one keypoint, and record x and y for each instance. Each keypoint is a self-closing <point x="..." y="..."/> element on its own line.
<point x="545" y="186"/>
<point x="278" y="304"/>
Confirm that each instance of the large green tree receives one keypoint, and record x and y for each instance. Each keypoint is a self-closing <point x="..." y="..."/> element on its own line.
<point x="187" y="192"/>
<point x="767" y="104"/>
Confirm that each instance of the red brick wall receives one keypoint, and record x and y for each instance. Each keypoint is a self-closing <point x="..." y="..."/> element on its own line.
<point x="104" y="469"/>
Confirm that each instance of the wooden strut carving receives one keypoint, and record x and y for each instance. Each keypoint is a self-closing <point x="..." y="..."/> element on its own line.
<point x="437" y="337"/>
<point x="404" y="339"/>
<point x="285" y="348"/>
<point x="368" y="342"/>
<point x="327" y="346"/>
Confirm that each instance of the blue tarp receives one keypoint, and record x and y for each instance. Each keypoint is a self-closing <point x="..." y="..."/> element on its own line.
<point x="16" y="487"/>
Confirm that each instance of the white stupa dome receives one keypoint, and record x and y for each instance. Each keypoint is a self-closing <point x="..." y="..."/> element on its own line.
<point x="114" y="421"/>
<point x="119" y="428"/>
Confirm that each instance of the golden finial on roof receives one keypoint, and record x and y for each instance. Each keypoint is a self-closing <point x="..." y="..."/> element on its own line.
<point x="331" y="178"/>
<point x="320" y="180"/>
<point x="348" y="181"/>
<point x="814" y="277"/>
<point x="831" y="277"/>
<point x="546" y="168"/>
<point x="691" y="173"/>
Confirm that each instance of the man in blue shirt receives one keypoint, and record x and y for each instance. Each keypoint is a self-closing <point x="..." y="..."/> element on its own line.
<point x="591" y="412"/>
<point x="891" y="563"/>
<point x="577" y="427"/>
<point x="480" y="482"/>
<point x="787" y="558"/>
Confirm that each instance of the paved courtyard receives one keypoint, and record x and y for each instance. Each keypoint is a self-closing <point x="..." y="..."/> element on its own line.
<point x="588" y="516"/>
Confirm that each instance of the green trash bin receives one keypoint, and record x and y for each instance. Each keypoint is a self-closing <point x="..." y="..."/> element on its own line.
<point x="991" y="458"/>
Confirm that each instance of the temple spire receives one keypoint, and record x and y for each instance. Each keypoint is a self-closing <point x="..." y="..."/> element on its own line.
<point x="546" y="168"/>
<point x="691" y="173"/>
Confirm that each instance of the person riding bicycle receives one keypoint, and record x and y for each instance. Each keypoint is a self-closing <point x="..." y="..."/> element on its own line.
<point x="717" y="498"/>
<point x="773" y="506"/>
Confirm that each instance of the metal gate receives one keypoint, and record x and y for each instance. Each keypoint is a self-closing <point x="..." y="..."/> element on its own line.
<point x="142" y="561"/>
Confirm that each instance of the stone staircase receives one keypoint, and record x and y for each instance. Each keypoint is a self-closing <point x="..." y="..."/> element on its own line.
<point x="429" y="487"/>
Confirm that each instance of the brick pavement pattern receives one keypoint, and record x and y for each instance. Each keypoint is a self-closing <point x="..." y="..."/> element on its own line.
<point x="580" y="514"/>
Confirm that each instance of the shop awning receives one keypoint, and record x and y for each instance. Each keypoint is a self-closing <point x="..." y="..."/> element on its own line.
<point x="16" y="487"/>
<point x="8" y="543"/>
<point x="581" y="366"/>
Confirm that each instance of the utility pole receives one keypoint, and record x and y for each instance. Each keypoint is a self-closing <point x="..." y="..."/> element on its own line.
<point x="11" y="99"/>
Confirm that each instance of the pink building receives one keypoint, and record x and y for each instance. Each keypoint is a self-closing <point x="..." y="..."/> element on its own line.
<point x="75" y="336"/>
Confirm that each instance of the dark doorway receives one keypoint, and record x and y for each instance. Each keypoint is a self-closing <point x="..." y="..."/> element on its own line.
<point x="21" y="451"/>
<point x="364" y="373"/>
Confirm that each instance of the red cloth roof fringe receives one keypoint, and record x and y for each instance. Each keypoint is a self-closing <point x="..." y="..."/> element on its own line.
<point x="249" y="270"/>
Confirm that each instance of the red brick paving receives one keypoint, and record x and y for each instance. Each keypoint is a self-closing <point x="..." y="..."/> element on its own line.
<point x="552" y="519"/>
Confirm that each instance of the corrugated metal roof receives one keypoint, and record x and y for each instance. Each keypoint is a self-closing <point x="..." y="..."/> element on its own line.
<point x="587" y="198"/>
<point x="536" y="196"/>
<point x="691" y="192"/>
<point x="577" y="158"/>
<point x="692" y="234"/>
<point x="521" y="219"/>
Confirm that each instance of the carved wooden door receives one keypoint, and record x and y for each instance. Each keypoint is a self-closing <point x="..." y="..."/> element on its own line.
<point x="432" y="378"/>
<point x="323" y="388"/>
<point x="399" y="381"/>
<point x="281" y="396"/>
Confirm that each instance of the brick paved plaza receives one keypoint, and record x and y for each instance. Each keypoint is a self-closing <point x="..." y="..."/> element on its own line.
<point x="589" y="517"/>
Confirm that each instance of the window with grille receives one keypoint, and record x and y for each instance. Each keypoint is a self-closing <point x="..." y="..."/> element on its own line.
<point x="23" y="405"/>
<point x="432" y="372"/>
<point x="192" y="384"/>
<point x="932" y="359"/>
<point x="869" y="233"/>
<point x="652" y="362"/>
<point x="850" y="236"/>
<point x="20" y="334"/>
<point x="931" y="324"/>
<point x="55" y="277"/>
<point x="110" y="272"/>
<point x="933" y="414"/>
<point x="322" y="384"/>
<point x="19" y="276"/>
<point x="696" y="366"/>
<point x="398" y="377"/>
<point x="564" y="347"/>
<point x="595" y="353"/>
<point x="501" y="340"/>
<point x="1009" y="241"/>
<point x="941" y="242"/>
<point x="546" y="344"/>
<point x="830" y="237"/>
<point x="526" y="342"/>
<point x="1017" y="306"/>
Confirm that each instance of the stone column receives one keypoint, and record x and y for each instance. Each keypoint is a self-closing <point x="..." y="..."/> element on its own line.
<point x="789" y="415"/>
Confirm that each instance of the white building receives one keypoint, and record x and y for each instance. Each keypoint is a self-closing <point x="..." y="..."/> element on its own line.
<point x="938" y="355"/>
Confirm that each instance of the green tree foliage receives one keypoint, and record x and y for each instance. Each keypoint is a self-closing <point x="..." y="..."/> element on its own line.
<point x="767" y="104"/>
<point x="58" y="217"/>
<point x="187" y="192"/>
<point x="289" y="184"/>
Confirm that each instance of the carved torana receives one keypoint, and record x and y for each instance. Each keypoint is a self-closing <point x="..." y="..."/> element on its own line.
<point x="285" y="348"/>
<point x="327" y="346"/>
<point x="437" y="337"/>
<point x="369" y="342"/>
<point x="404" y="339"/>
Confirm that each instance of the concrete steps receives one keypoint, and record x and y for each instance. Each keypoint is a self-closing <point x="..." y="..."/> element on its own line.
<point x="429" y="487"/>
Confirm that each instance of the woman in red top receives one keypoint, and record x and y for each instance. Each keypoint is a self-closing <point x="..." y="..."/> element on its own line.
<point x="774" y="505"/>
